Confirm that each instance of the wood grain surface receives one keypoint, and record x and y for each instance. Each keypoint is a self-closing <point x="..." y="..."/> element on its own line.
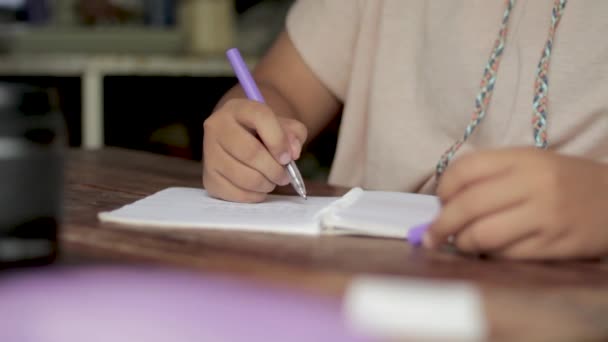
<point x="560" y="301"/>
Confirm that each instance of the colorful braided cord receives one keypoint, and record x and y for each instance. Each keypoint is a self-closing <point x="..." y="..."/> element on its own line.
<point x="482" y="101"/>
<point x="541" y="85"/>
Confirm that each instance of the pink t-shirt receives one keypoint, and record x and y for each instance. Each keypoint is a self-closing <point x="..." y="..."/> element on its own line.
<point x="408" y="72"/>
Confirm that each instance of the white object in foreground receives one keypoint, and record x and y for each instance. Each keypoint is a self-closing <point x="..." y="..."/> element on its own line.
<point x="395" y="308"/>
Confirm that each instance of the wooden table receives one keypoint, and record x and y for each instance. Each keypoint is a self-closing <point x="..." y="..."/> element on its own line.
<point x="523" y="301"/>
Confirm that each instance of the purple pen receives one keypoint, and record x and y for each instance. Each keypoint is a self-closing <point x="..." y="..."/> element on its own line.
<point x="253" y="93"/>
<point x="416" y="233"/>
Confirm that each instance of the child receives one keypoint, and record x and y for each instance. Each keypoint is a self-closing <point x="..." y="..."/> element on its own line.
<point x="531" y="182"/>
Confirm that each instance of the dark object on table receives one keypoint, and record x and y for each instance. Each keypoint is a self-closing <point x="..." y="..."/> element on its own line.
<point x="32" y="141"/>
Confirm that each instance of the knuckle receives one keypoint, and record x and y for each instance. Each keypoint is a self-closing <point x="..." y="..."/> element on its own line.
<point x="276" y="174"/>
<point x="214" y="123"/>
<point x="299" y="128"/>
<point x="250" y="107"/>
<point x="470" y="199"/>
<point x="251" y="152"/>
<point x="466" y="207"/>
<point x="209" y="123"/>
<point x="235" y="103"/>
<point x="227" y="109"/>
<point x="262" y="109"/>
<point x="454" y="175"/>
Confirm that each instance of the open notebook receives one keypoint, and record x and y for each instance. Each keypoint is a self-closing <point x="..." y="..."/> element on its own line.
<point x="359" y="212"/>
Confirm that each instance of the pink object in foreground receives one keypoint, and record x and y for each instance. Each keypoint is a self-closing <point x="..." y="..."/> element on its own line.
<point x="143" y="304"/>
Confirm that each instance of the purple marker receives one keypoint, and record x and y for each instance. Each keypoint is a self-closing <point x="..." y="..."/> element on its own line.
<point x="416" y="233"/>
<point x="253" y="93"/>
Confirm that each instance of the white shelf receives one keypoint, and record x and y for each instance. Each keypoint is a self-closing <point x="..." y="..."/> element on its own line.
<point x="93" y="68"/>
<point x="24" y="39"/>
<point x="118" y="65"/>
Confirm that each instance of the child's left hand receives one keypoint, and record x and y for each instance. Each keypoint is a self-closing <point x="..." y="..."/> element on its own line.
<point x="524" y="203"/>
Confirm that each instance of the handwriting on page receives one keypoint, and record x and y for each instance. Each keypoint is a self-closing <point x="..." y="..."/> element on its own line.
<point x="258" y="207"/>
<point x="293" y="210"/>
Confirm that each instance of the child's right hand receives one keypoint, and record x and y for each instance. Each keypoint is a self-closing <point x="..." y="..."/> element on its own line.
<point x="245" y="149"/>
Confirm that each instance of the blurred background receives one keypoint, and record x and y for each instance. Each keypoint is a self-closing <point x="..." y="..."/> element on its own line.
<point x="142" y="74"/>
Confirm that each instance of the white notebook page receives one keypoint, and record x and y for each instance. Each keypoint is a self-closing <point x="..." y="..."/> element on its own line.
<point x="194" y="208"/>
<point x="380" y="213"/>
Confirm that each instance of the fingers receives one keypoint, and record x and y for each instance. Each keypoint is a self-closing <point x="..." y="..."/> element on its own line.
<point x="515" y="234"/>
<point x="243" y="176"/>
<point x="244" y="147"/>
<point x="530" y="248"/>
<point x="218" y="186"/>
<point x="265" y="123"/>
<point x="476" y="202"/>
<point x="548" y="243"/>
<point x="517" y="204"/>
<point x="470" y="169"/>
<point x="296" y="135"/>
<point x="496" y="232"/>
<point x="226" y="178"/>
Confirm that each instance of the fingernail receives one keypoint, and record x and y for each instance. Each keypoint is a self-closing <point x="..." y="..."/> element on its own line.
<point x="427" y="241"/>
<point x="285" y="158"/>
<point x="296" y="148"/>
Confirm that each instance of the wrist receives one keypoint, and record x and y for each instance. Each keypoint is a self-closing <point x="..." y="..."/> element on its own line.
<point x="277" y="101"/>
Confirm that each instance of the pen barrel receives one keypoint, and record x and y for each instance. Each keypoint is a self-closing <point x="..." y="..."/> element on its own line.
<point x="244" y="76"/>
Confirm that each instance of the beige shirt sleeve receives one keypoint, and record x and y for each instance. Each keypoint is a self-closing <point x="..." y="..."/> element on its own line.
<point x="324" y="32"/>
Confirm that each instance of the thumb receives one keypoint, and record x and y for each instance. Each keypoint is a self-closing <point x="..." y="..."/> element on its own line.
<point x="296" y="135"/>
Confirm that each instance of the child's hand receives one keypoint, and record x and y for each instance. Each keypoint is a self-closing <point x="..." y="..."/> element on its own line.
<point x="524" y="204"/>
<point x="237" y="166"/>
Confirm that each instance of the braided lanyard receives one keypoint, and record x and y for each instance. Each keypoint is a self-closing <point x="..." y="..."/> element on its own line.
<point x="541" y="85"/>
